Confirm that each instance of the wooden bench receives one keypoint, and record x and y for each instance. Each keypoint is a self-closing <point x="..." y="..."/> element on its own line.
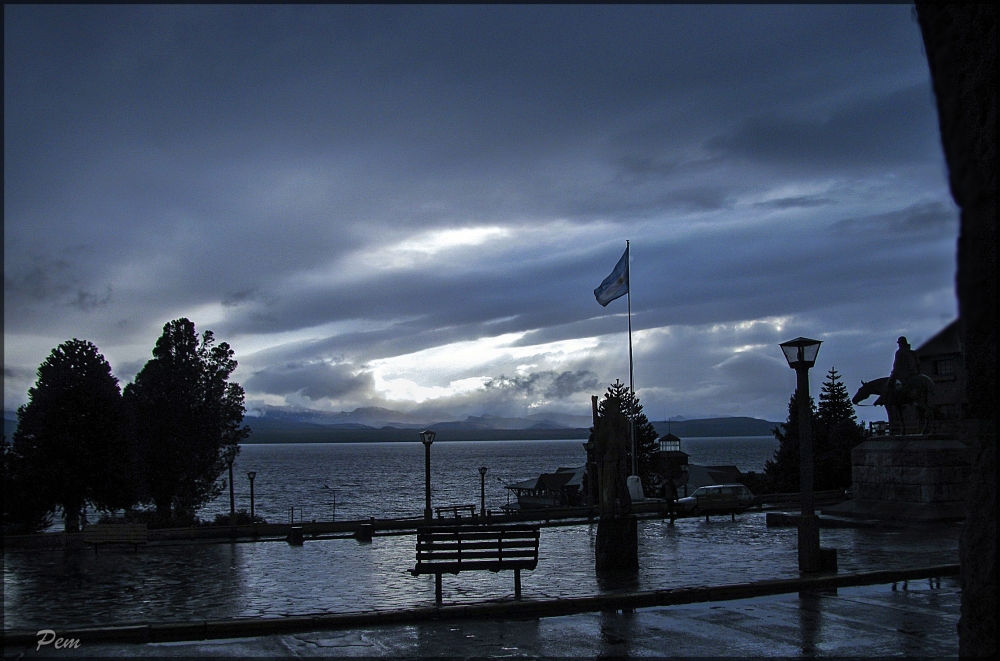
<point x="450" y="550"/>
<point x="455" y="511"/>
<point x="116" y="533"/>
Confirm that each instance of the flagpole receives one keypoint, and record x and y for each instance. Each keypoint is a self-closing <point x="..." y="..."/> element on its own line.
<point x="631" y="380"/>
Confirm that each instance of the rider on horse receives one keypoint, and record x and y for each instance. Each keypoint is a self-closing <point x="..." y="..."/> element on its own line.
<point x="904" y="365"/>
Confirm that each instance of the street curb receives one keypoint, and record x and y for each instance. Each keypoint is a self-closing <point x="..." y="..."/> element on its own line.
<point x="251" y="627"/>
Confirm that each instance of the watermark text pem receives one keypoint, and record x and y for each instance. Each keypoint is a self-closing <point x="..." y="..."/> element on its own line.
<point x="48" y="637"/>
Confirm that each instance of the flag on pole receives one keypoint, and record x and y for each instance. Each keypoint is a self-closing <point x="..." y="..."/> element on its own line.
<point x="616" y="284"/>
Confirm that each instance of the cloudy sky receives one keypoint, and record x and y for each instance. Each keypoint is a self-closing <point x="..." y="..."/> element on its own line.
<point x="411" y="206"/>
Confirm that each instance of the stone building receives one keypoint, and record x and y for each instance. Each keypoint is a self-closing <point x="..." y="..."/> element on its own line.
<point x="942" y="360"/>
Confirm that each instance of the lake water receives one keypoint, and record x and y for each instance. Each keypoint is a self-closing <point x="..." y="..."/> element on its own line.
<point x="387" y="479"/>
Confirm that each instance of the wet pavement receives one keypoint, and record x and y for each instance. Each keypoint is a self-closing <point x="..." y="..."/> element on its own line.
<point x="914" y="619"/>
<point x="54" y="589"/>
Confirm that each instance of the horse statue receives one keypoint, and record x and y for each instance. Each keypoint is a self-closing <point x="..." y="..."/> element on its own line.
<point x="914" y="391"/>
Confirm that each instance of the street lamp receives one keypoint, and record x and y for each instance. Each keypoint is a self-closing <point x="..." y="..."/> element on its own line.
<point x="801" y="356"/>
<point x="427" y="437"/>
<point x="251" y="475"/>
<point x="482" y="491"/>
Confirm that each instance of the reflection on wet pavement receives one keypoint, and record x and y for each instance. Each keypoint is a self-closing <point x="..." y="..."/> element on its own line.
<point x="47" y="589"/>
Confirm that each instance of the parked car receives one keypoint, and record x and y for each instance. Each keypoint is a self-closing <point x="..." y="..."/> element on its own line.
<point x="717" y="499"/>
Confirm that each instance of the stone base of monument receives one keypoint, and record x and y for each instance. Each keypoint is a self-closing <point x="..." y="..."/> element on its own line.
<point x="907" y="478"/>
<point x="617" y="546"/>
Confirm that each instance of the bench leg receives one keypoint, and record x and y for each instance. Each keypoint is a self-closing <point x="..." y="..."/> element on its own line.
<point x="517" y="583"/>
<point x="734" y="516"/>
<point x="437" y="588"/>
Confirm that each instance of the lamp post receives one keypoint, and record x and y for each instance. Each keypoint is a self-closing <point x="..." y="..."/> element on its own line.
<point x="482" y="491"/>
<point x="230" y="458"/>
<point x="427" y="437"/>
<point x="801" y="356"/>
<point x="251" y="475"/>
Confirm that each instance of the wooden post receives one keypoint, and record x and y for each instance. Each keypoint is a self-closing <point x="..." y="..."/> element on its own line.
<point x="517" y="583"/>
<point x="437" y="588"/>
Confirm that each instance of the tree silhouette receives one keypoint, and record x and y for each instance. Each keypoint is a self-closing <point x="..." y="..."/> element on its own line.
<point x="70" y="446"/>
<point x="837" y="432"/>
<point x="25" y="508"/>
<point x="185" y="416"/>
<point x="645" y="434"/>
<point x="782" y="470"/>
<point x="834" y="433"/>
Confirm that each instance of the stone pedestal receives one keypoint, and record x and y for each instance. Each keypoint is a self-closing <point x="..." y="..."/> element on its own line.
<point x="908" y="478"/>
<point x="617" y="547"/>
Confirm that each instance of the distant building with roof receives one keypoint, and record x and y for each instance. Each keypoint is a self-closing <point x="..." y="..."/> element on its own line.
<point x="562" y="488"/>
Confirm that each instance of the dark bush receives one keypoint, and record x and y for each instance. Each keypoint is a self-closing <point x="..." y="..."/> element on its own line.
<point x="242" y="519"/>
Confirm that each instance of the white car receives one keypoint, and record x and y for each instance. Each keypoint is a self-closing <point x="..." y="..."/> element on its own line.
<point x="717" y="499"/>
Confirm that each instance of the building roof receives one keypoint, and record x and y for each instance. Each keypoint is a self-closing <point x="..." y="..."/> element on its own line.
<point x="554" y="482"/>
<point x="563" y="477"/>
<point x="948" y="340"/>
<point x="703" y="476"/>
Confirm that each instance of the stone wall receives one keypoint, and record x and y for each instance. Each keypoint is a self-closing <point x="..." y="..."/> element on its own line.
<point x="916" y="478"/>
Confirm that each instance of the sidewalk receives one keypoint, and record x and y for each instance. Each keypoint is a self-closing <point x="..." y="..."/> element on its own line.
<point x="918" y="618"/>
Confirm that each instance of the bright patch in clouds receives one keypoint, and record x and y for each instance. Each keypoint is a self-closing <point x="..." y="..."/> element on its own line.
<point x="408" y="390"/>
<point x="431" y="243"/>
<point x="409" y="376"/>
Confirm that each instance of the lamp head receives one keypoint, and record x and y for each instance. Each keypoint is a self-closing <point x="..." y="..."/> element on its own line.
<point x="800" y="352"/>
<point x="427" y="437"/>
<point x="482" y="470"/>
<point x="251" y="475"/>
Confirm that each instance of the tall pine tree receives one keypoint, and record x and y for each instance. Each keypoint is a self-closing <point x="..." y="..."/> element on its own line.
<point x="783" y="469"/>
<point x="70" y="438"/>
<point x="645" y="434"/>
<point x="837" y="432"/>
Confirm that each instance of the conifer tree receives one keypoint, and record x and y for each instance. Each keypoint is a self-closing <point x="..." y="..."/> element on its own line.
<point x="186" y="416"/>
<point x="783" y="469"/>
<point x="645" y="434"/>
<point x="834" y="402"/>
<point x="26" y="508"/>
<point x="70" y="444"/>
<point x="837" y="433"/>
<point x="834" y="433"/>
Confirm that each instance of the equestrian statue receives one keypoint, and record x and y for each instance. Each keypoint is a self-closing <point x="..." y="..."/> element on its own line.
<point x="905" y="386"/>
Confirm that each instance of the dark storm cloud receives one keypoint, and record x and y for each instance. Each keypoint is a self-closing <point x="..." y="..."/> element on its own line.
<point x="881" y="131"/>
<point x="917" y="221"/>
<point x="53" y="280"/>
<point x="317" y="380"/>
<point x="548" y="384"/>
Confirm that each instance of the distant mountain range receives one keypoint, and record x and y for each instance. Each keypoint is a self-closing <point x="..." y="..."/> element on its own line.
<point x="289" y="425"/>
<point x="373" y="417"/>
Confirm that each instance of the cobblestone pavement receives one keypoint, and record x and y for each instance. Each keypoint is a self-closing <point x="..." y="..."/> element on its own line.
<point x="918" y="619"/>
<point x="53" y="589"/>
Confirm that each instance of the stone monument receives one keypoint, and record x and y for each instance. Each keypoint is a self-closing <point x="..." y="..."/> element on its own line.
<point x="617" y="548"/>
<point x="908" y="478"/>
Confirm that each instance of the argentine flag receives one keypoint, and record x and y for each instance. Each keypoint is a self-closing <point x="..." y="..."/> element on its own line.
<point x="616" y="284"/>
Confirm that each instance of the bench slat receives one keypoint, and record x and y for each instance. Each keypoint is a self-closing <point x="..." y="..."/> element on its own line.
<point x="492" y="544"/>
<point x="456" y="567"/>
<point x="473" y="555"/>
